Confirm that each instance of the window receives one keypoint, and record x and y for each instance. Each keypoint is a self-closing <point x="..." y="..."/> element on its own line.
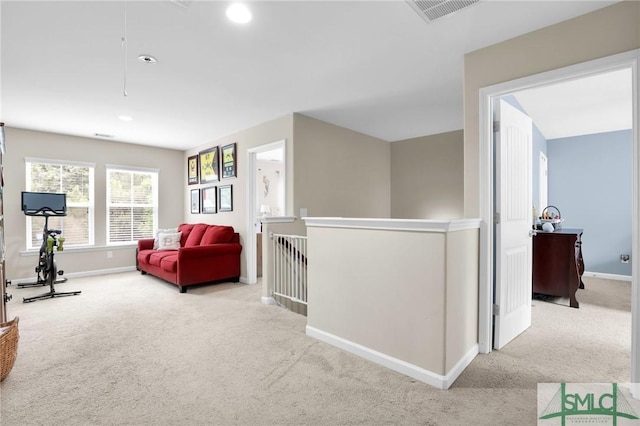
<point x="71" y="178"/>
<point x="132" y="204"/>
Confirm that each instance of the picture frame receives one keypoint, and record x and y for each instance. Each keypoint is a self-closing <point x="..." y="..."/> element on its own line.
<point x="225" y="198"/>
<point x="229" y="161"/>
<point x="195" y="201"/>
<point x="209" y="165"/>
<point x="209" y="204"/>
<point x="192" y="170"/>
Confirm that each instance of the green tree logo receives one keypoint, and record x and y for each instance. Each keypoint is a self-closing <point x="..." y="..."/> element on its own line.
<point x="588" y="405"/>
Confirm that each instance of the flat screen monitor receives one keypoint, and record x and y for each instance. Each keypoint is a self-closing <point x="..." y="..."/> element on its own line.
<point x="44" y="203"/>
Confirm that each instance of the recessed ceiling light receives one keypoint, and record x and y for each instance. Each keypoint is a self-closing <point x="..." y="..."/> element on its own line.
<point x="147" y="59"/>
<point x="125" y="118"/>
<point x="239" y="13"/>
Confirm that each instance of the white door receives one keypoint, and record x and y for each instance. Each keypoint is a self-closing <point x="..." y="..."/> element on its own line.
<point x="253" y="224"/>
<point x="544" y="182"/>
<point x="513" y="205"/>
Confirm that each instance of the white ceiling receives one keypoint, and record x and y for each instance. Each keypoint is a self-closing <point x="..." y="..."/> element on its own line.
<point x="594" y="104"/>
<point x="372" y="66"/>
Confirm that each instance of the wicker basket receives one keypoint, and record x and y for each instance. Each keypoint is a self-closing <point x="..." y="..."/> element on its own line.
<point x="9" y="337"/>
<point x="553" y="215"/>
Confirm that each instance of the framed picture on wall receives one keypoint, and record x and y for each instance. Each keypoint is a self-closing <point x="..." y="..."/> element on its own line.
<point x="225" y="197"/>
<point x="209" y="198"/>
<point x="208" y="161"/>
<point x="195" y="201"/>
<point x="228" y="156"/>
<point x="192" y="169"/>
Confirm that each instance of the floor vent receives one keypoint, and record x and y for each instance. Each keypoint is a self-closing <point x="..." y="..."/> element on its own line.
<point x="430" y="10"/>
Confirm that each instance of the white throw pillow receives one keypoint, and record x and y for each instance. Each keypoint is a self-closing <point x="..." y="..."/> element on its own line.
<point x="169" y="241"/>
<point x="162" y="231"/>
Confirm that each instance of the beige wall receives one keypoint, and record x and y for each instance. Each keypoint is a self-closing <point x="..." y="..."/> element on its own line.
<point x="275" y="130"/>
<point x="339" y="172"/>
<point x="27" y="143"/>
<point x="461" y="320"/>
<point x="398" y="292"/>
<point x="614" y="29"/>
<point x="427" y="177"/>
<point x="355" y="294"/>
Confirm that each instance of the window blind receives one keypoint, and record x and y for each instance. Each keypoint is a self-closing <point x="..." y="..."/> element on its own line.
<point x="132" y="204"/>
<point x="73" y="179"/>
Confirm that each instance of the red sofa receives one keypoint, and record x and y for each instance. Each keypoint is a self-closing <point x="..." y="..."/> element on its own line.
<point x="206" y="253"/>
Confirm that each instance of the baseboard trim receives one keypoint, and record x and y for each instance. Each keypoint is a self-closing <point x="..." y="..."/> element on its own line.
<point x="82" y="274"/>
<point x="436" y="380"/>
<point x="607" y="276"/>
<point x="461" y="365"/>
<point x="268" y="301"/>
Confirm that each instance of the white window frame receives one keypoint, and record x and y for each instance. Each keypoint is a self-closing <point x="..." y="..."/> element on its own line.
<point x="90" y="205"/>
<point x="118" y="168"/>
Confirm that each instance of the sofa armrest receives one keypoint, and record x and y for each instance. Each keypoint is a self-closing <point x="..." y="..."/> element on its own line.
<point x="145" y="244"/>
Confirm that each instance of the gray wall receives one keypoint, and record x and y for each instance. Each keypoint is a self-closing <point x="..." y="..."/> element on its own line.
<point x="28" y="143"/>
<point x="339" y="172"/>
<point x="608" y="31"/>
<point x="590" y="181"/>
<point x="271" y="131"/>
<point x="427" y="177"/>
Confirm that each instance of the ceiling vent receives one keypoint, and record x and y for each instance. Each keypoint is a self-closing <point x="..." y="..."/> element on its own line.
<point x="183" y="3"/>
<point x="103" y="135"/>
<point x="430" y="10"/>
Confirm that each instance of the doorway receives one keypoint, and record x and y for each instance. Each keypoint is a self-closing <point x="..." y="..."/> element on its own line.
<point x="487" y="96"/>
<point x="264" y="197"/>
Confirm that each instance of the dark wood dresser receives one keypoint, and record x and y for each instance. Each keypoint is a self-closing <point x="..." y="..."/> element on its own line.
<point x="557" y="264"/>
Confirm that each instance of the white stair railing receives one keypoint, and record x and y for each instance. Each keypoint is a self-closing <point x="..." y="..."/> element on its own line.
<point x="290" y="267"/>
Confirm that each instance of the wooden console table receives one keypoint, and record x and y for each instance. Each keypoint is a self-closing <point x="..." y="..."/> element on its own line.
<point x="557" y="264"/>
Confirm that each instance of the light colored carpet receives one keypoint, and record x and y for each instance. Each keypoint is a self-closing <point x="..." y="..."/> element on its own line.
<point x="131" y="350"/>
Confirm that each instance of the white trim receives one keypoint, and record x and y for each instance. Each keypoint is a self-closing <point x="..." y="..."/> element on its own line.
<point x="54" y="161"/>
<point x="604" y="276"/>
<point x="252" y="215"/>
<point x="277" y="219"/>
<point x="250" y="236"/>
<point x="269" y="301"/>
<point x="635" y="238"/>
<point x="131" y="168"/>
<point x="485" y="147"/>
<point x="83" y="274"/>
<point x="417" y="225"/>
<point x="437" y="380"/>
<point x="82" y="249"/>
<point x="460" y="366"/>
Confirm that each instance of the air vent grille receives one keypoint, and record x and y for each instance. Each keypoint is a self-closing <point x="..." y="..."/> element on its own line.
<point x="183" y="3"/>
<point x="430" y="10"/>
<point x="104" y="135"/>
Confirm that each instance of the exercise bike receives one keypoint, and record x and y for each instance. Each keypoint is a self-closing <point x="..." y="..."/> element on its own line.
<point x="52" y="241"/>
